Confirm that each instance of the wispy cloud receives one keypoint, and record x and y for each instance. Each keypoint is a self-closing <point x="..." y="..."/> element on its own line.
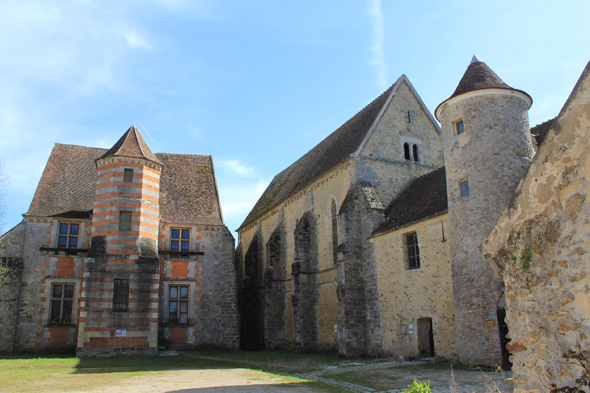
<point x="235" y="168"/>
<point x="135" y="41"/>
<point x="378" y="46"/>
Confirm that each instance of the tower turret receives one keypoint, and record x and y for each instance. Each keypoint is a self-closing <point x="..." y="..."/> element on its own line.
<point x="119" y="300"/>
<point x="487" y="149"/>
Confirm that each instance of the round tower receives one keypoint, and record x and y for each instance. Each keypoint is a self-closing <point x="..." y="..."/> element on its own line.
<point x="487" y="149"/>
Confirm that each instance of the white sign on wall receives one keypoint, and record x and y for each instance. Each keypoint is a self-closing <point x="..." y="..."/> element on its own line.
<point x="411" y="328"/>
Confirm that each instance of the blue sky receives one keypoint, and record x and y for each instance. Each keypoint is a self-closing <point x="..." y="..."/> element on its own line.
<point x="255" y="83"/>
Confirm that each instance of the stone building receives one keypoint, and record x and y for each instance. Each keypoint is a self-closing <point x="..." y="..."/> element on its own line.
<point x="308" y="275"/>
<point x="370" y="234"/>
<point x="121" y="250"/>
<point x="540" y="246"/>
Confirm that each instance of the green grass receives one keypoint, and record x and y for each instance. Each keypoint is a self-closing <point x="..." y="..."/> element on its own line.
<point x="35" y="372"/>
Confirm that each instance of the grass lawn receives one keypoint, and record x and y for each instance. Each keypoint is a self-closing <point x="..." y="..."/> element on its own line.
<point x="34" y="372"/>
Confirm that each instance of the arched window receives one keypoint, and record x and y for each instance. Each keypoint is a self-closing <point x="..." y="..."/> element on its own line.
<point x="415" y="148"/>
<point x="407" y="151"/>
<point x="334" y="216"/>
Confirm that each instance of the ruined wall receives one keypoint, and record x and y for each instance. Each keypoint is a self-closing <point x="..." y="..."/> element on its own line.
<point x="10" y="280"/>
<point x="492" y="154"/>
<point x="547" y="290"/>
<point x="407" y="295"/>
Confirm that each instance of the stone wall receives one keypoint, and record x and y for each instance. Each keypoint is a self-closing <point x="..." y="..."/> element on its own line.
<point x="408" y="295"/>
<point x="492" y="154"/>
<point x="540" y="247"/>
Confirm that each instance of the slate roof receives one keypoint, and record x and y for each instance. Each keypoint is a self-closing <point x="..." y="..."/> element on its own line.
<point x="131" y="144"/>
<point x="539" y="132"/>
<point x="330" y="152"/>
<point x="479" y="76"/>
<point x="188" y="190"/>
<point x="424" y="198"/>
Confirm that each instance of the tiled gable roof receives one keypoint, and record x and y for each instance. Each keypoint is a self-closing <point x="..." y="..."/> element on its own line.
<point x="131" y="144"/>
<point x="539" y="132"/>
<point x="326" y="155"/>
<point x="424" y="198"/>
<point x="188" y="191"/>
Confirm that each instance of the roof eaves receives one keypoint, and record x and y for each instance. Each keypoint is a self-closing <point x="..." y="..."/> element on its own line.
<point x="405" y="225"/>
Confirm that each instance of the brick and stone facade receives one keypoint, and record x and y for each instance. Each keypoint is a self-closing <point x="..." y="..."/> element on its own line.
<point x="172" y="254"/>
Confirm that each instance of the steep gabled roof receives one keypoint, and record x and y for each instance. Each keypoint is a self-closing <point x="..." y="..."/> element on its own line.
<point x="539" y="132"/>
<point x="330" y="152"/>
<point x="424" y="198"/>
<point x="131" y="144"/>
<point x="188" y="191"/>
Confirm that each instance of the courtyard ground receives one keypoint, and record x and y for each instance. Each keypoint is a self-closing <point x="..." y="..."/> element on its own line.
<point x="218" y="371"/>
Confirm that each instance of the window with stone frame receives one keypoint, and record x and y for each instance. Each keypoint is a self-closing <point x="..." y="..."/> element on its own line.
<point x="415" y="151"/>
<point x="121" y="295"/>
<point x="128" y="175"/>
<point x="180" y="240"/>
<point x="459" y="127"/>
<point x="125" y="221"/>
<point x="464" y="186"/>
<point x="62" y="301"/>
<point x="178" y="300"/>
<point x="68" y="235"/>
<point x="413" y="251"/>
<point x="407" y="151"/>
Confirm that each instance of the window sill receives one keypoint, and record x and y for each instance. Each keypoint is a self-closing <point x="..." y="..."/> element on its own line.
<point x="178" y="325"/>
<point x="59" y="326"/>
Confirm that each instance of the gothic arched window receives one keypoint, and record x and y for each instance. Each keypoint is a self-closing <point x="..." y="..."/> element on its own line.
<point x="334" y="217"/>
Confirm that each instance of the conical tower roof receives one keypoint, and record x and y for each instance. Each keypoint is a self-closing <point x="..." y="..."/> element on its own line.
<point x="131" y="144"/>
<point x="479" y="76"/>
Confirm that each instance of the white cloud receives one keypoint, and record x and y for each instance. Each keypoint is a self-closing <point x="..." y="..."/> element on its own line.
<point x="235" y="168"/>
<point x="238" y="198"/>
<point x="378" y="46"/>
<point x="135" y="41"/>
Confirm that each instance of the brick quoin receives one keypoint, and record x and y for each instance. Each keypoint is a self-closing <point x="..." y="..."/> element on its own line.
<point x="64" y="266"/>
<point x="178" y="334"/>
<point x="179" y="269"/>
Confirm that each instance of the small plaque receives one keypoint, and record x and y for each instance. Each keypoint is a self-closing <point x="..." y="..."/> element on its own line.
<point x="118" y="333"/>
<point x="124" y="333"/>
<point x="411" y="329"/>
<point x="335" y="328"/>
<point x="491" y="323"/>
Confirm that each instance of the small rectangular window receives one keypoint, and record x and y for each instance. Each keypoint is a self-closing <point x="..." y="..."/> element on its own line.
<point x="459" y="127"/>
<point x="124" y="221"/>
<point x="68" y="235"/>
<point x="178" y="305"/>
<point x="121" y="295"/>
<point x="464" y="187"/>
<point x="62" y="298"/>
<point x="180" y="240"/>
<point x="128" y="175"/>
<point x="413" y="251"/>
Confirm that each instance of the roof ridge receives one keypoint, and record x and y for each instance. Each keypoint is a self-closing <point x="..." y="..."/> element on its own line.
<point x="86" y="147"/>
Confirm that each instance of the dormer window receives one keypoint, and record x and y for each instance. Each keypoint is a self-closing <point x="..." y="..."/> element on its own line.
<point x="459" y="127"/>
<point x="128" y="175"/>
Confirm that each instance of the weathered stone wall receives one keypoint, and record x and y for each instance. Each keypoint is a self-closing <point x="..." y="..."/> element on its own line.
<point x="284" y="219"/>
<point x="408" y="295"/>
<point x="382" y="162"/>
<point x="547" y="294"/>
<point x="10" y="277"/>
<point x="492" y="154"/>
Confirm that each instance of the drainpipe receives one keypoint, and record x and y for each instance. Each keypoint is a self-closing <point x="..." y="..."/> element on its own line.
<point x="20" y="284"/>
